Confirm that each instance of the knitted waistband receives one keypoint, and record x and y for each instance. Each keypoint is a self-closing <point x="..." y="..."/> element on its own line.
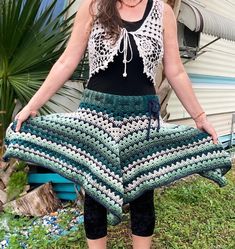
<point x="119" y="103"/>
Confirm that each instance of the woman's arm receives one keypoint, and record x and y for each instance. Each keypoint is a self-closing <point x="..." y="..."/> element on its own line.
<point x="177" y="76"/>
<point x="64" y="66"/>
<point x="173" y="67"/>
<point x="68" y="61"/>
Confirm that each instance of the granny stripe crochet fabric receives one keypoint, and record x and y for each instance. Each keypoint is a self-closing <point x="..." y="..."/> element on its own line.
<point x="116" y="147"/>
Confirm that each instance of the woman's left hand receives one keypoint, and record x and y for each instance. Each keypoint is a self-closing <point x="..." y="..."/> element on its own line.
<point x="204" y="125"/>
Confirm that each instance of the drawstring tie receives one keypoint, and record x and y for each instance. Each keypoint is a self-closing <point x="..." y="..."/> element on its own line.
<point x="154" y="111"/>
<point x="126" y="43"/>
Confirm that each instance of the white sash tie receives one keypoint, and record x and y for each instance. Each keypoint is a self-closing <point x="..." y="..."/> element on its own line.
<point x="126" y="44"/>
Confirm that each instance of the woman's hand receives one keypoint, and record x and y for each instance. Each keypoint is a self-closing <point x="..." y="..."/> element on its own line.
<point x="203" y="124"/>
<point x="24" y="115"/>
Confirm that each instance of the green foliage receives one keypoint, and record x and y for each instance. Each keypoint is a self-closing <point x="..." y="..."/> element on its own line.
<point x="18" y="180"/>
<point x="20" y="165"/>
<point x="30" y="43"/>
<point x="16" y="184"/>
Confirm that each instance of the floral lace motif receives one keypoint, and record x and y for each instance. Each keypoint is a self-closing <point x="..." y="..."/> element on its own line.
<point x="148" y="38"/>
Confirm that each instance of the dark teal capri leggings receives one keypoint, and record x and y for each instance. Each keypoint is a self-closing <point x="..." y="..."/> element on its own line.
<point x="142" y="215"/>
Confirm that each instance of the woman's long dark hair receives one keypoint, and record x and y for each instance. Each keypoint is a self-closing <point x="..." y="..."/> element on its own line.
<point x="108" y="16"/>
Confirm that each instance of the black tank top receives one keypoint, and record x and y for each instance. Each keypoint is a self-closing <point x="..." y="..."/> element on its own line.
<point x="111" y="79"/>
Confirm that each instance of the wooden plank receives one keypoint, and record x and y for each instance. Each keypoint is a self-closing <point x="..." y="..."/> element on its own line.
<point x="38" y="202"/>
<point x="3" y="196"/>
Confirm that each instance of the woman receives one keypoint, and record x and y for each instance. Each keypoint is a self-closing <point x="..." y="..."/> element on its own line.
<point x="116" y="146"/>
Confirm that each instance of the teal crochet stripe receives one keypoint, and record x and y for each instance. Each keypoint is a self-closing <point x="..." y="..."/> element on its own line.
<point x="116" y="147"/>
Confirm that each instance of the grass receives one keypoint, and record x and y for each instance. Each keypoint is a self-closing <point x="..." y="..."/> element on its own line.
<point x="191" y="214"/>
<point x="196" y="215"/>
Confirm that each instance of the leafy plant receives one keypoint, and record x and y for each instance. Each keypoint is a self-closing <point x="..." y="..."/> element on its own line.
<point x="17" y="182"/>
<point x="31" y="40"/>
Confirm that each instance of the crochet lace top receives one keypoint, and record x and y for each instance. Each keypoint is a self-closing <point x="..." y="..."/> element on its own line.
<point x="148" y="38"/>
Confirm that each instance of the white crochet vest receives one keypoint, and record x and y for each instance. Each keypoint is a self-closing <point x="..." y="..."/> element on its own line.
<point x="148" y="38"/>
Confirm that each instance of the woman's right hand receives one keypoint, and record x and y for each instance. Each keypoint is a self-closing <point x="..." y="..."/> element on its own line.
<point x="24" y="115"/>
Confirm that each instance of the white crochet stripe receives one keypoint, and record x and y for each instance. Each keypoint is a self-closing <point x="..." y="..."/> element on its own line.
<point x="156" y="161"/>
<point x="151" y="177"/>
<point x="61" y="164"/>
<point x="72" y="152"/>
<point x="86" y="128"/>
<point x="139" y="124"/>
<point x="96" y="121"/>
<point x="169" y="152"/>
<point x="125" y="126"/>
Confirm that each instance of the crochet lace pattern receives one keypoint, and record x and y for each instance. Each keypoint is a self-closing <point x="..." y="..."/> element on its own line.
<point x="103" y="146"/>
<point x="148" y="38"/>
